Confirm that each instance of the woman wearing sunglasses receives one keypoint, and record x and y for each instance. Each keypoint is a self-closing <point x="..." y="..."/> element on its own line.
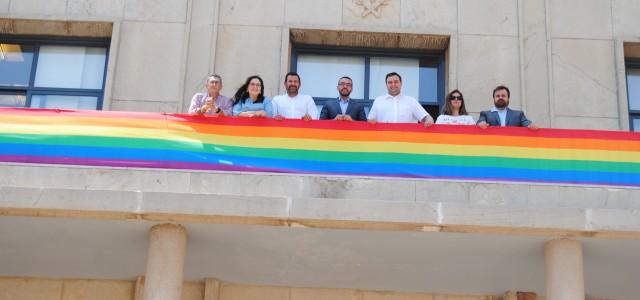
<point x="454" y="111"/>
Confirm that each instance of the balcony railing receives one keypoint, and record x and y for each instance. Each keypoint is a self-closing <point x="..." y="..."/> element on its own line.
<point x="174" y="141"/>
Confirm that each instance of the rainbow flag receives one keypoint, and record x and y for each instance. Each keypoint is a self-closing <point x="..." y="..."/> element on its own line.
<point x="174" y="141"/>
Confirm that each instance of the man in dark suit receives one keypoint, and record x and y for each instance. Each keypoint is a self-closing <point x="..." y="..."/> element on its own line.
<point x="501" y="114"/>
<point x="343" y="108"/>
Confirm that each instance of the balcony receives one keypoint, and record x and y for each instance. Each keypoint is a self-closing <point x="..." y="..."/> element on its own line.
<point x="451" y="210"/>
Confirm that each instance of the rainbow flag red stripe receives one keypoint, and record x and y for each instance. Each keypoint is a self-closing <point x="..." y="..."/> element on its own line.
<point x="174" y="141"/>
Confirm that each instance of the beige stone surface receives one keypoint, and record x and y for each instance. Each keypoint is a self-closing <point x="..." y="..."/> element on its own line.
<point x="396" y="296"/>
<point x="590" y="19"/>
<point x="156" y="10"/>
<point x="535" y="63"/>
<point x="150" y="61"/>
<point x="586" y="123"/>
<point x="357" y="210"/>
<point x="513" y="216"/>
<point x="443" y="191"/>
<point x="193" y="291"/>
<point x="485" y="62"/>
<point x="488" y="17"/>
<point x="97" y="290"/>
<point x="361" y="188"/>
<point x="584" y="78"/>
<point x="108" y="9"/>
<point x="322" y="294"/>
<point x="236" y="57"/>
<point x="38" y="7"/>
<point x="208" y="183"/>
<point x="252" y="12"/>
<point x="610" y="219"/>
<point x="368" y="39"/>
<point x="249" y="292"/>
<point x="509" y="194"/>
<point x="430" y="16"/>
<point x="622" y="199"/>
<point x="632" y="49"/>
<point x="144" y="106"/>
<point x="190" y="291"/>
<point x="566" y="196"/>
<point x="165" y="262"/>
<point x="73" y="199"/>
<point x="200" y="54"/>
<point x="625" y="18"/>
<point x="220" y="205"/>
<point x="326" y="12"/>
<point x="30" y="288"/>
<point x="623" y="103"/>
<point x="127" y="180"/>
<point x="387" y="15"/>
<point x="564" y="270"/>
<point x="4" y="6"/>
<point x="211" y="289"/>
<point x="56" y="28"/>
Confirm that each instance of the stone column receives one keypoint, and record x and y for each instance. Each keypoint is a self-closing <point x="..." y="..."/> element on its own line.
<point x="564" y="270"/>
<point x="165" y="262"/>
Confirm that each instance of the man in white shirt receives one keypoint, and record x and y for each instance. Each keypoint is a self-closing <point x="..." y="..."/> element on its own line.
<point x="293" y="105"/>
<point x="397" y="108"/>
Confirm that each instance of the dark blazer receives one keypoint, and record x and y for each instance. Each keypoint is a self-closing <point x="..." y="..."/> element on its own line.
<point x="514" y="118"/>
<point x="332" y="108"/>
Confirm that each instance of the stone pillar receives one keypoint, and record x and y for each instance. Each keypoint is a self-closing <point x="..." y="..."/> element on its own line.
<point x="165" y="262"/>
<point x="564" y="270"/>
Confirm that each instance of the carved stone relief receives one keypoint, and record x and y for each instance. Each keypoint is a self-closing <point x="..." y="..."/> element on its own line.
<point x="372" y="7"/>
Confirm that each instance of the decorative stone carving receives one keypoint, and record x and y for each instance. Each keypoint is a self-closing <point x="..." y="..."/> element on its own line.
<point x="371" y="7"/>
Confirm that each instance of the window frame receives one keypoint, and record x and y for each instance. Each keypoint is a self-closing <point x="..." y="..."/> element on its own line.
<point x="633" y="63"/>
<point x="434" y="57"/>
<point x="39" y="41"/>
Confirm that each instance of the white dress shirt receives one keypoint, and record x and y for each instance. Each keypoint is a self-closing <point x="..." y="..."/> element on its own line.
<point x="398" y="109"/>
<point x="455" y="120"/>
<point x="294" y="108"/>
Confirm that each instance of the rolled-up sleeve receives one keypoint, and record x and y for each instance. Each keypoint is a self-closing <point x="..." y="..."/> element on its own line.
<point x="196" y="103"/>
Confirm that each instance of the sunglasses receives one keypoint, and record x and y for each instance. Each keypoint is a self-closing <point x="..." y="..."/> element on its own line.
<point x="456" y="98"/>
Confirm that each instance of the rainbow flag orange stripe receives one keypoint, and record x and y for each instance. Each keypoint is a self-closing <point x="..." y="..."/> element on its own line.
<point x="174" y="141"/>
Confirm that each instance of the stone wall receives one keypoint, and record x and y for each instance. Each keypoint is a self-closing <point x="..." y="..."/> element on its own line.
<point x="80" y="289"/>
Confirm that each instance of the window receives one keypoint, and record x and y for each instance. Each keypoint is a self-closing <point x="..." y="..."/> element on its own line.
<point x="52" y="73"/>
<point x="320" y="67"/>
<point x="633" y="94"/>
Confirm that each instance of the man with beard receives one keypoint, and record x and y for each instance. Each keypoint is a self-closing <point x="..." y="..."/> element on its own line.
<point x="501" y="114"/>
<point x="395" y="107"/>
<point x="293" y="105"/>
<point x="343" y="108"/>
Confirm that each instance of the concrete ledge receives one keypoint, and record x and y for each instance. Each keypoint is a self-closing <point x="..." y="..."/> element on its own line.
<point x="318" y="212"/>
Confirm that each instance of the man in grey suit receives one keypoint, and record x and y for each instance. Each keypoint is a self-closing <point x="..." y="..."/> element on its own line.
<point x="343" y="108"/>
<point x="501" y="114"/>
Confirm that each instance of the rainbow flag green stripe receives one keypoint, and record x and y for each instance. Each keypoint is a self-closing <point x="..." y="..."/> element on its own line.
<point x="127" y="139"/>
<point x="332" y="156"/>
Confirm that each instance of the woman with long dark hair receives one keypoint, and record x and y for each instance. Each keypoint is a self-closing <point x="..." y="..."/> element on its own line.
<point x="249" y="100"/>
<point x="454" y="111"/>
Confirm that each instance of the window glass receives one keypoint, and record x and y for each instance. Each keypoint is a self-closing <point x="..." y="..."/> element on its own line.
<point x="15" y="64"/>
<point x="428" y="85"/>
<point x="64" y="102"/>
<point x="408" y="68"/>
<point x="70" y="67"/>
<point x="320" y="74"/>
<point x="636" y="124"/>
<point x="17" y="100"/>
<point x="633" y="88"/>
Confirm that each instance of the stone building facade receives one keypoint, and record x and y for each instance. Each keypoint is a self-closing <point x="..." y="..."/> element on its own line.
<point x="567" y="63"/>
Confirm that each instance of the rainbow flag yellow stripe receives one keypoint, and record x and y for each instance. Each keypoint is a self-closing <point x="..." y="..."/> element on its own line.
<point x="173" y="141"/>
